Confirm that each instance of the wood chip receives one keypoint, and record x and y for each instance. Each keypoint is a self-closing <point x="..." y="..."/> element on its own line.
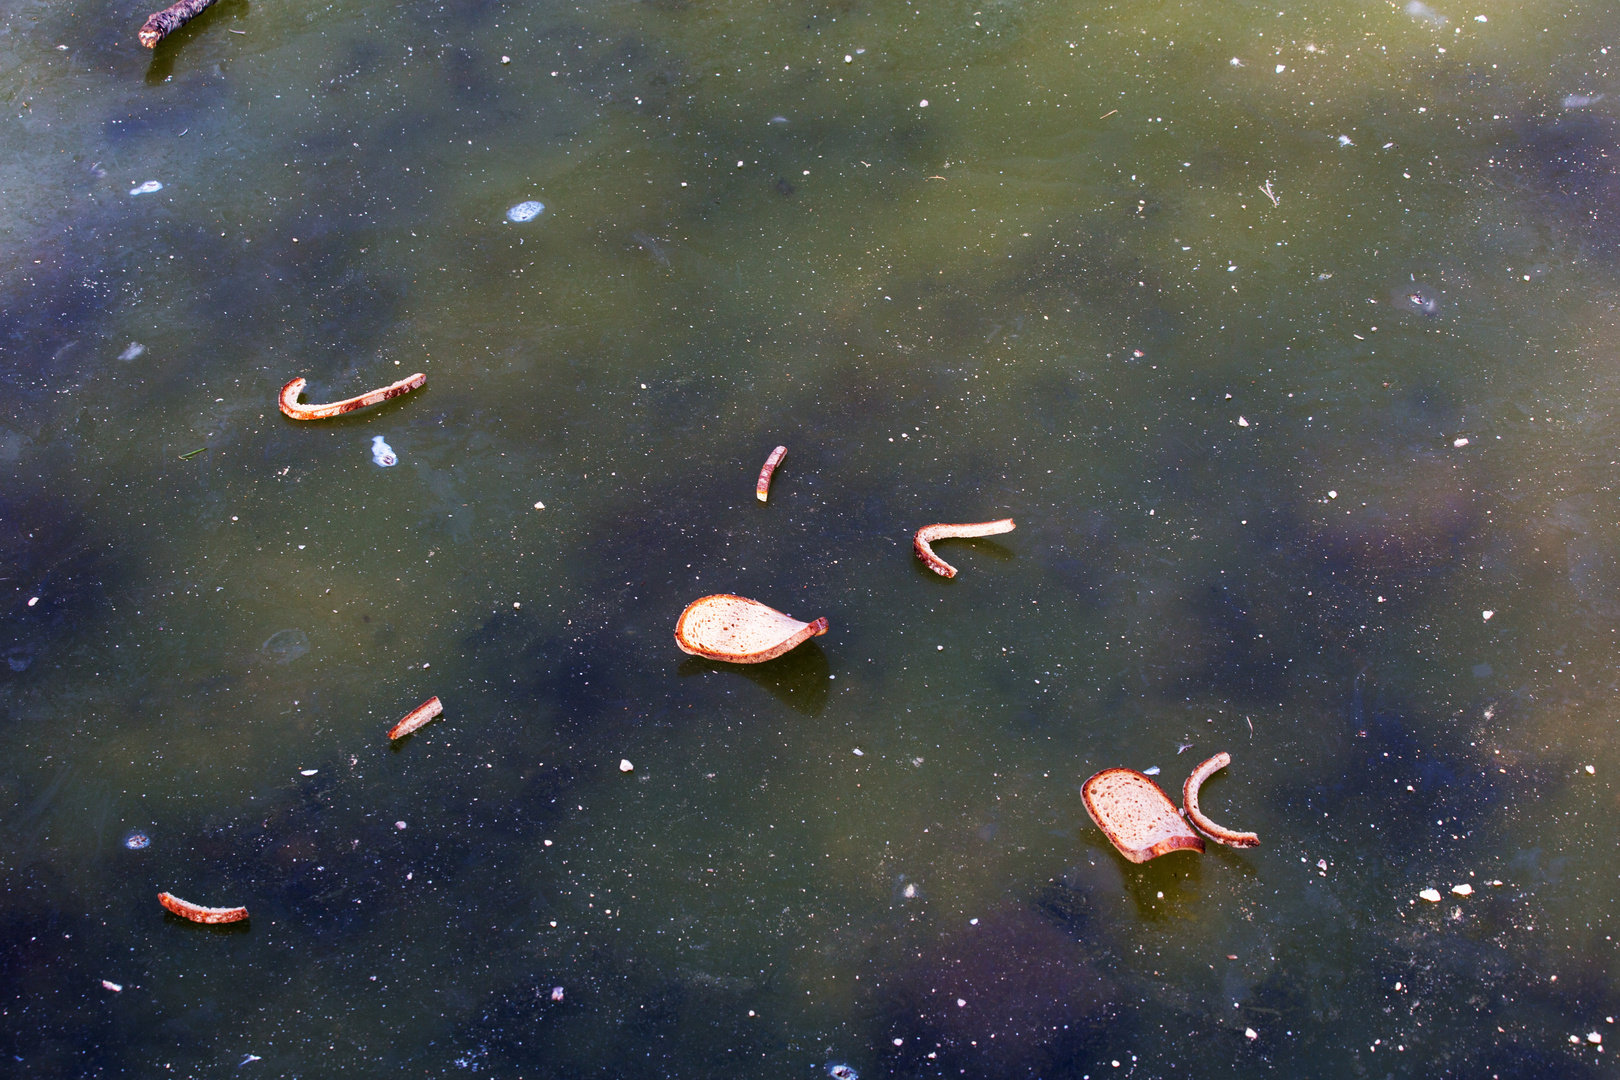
<point x="739" y="630"/>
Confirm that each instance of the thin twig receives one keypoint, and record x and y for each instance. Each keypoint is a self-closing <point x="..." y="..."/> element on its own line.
<point x="1268" y="193"/>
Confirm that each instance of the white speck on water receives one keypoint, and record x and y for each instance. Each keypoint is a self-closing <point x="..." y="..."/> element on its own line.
<point x="1431" y="895"/>
<point x="625" y="766"/>
<point x="1235" y="62"/>
<point x="923" y="104"/>
<point x="108" y="984"/>
<point x="1464" y="889"/>
<point x="1460" y="441"/>
<point x="32" y="600"/>
<point x="399" y="825"/>
<point x="382" y="453"/>
<point x="147" y="188"/>
<point x="1344" y="140"/>
<point x="961" y="1003"/>
<point x="1593" y="1037"/>
<point x="1250" y="1033"/>
<point x="307" y="772"/>
<point x="1151" y="770"/>
<point x="1481" y="18"/>
<point x="1591" y="770"/>
<point x="858" y="752"/>
<point x="1333" y="494"/>
<point x="1281" y="68"/>
<point x="526" y="211"/>
<point x="1231" y="268"/>
<point x="1486" y="615"/>
<point x="135" y="349"/>
<point x="1242" y="422"/>
<point x="539" y="506"/>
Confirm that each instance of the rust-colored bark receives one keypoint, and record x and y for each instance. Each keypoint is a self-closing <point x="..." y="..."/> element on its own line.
<point x="160" y="24"/>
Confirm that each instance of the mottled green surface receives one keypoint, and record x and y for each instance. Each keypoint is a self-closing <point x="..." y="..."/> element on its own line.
<point x="965" y="262"/>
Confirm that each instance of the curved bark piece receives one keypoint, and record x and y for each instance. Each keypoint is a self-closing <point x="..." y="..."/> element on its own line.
<point x="199" y="914"/>
<point x="1189" y="797"/>
<point x="1137" y="817"/>
<point x="160" y="24"/>
<point x="929" y="533"/>
<point x="763" y="487"/>
<point x="739" y="630"/>
<point x="416" y="718"/>
<point x="290" y="405"/>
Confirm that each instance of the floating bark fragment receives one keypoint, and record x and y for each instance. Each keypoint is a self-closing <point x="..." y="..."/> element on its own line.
<point x="161" y="24"/>
<point x="416" y="718"/>
<point x="1136" y="816"/>
<point x="199" y="914"/>
<point x="1189" y="796"/>
<point x="930" y="533"/>
<point x="290" y="405"/>
<point x="763" y="487"/>
<point x="739" y="630"/>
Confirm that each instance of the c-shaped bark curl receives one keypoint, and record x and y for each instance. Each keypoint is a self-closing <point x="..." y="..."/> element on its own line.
<point x="290" y="405"/>
<point x="929" y="533"/>
<point x="1189" y="798"/>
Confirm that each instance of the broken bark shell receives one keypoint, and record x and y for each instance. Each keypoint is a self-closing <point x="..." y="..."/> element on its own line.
<point x="929" y="533"/>
<point x="739" y="630"/>
<point x="763" y="487"/>
<point x="1189" y="797"/>
<point x="160" y="24"/>
<point x="1136" y="816"/>
<point x="290" y="405"/>
<point x="199" y="914"/>
<point x="416" y="718"/>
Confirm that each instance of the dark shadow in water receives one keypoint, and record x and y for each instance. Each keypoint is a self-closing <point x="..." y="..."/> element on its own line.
<point x="163" y="57"/>
<point x="797" y="678"/>
<point x="224" y="929"/>
<point x="978" y="545"/>
<point x="58" y="574"/>
<point x="1574" y="161"/>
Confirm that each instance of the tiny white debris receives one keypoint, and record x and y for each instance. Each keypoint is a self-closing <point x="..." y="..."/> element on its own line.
<point x="516" y="604"/>
<point x="973" y="922"/>
<point x="147" y="188"/>
<point x="961" y="1003"/>
<point x="1281" y="68"/>
<point x="1593" y="1037"/>
<point x="1333" y="494"/>
<point x="135" y="349"/>
<point x="1235" y="62"/>
<point x="1321" y="864"/>
<point x="1460" y="441"/>
<point x="1495" y="883"/>
<point x="399" y="825"/>
<point x="556" y="993"/>
<point x="848" y="59"/>
<point x="902" y="1042"/>
<point x="250" y="1057"/>
<point x="939" y="648"/>
<point x="910" y="891"/>
<point x="1431" y="895"/>
<point x="858" y="752"/>
<point x="1481" y="18"/>
<point x="526" y="211"/>
<point x="548" y="844"/>
<point x="506" y="59"/>
<point x="108" y="984"/>
<point x="1464" y="889"/>
<point x="1344" y="140"/>
<point x="539" y="506"/>
<point x="382" y="453"/>
<point x="1592" y="769"/>
<point x="1575" y="1039"/>
<point x="1231" y="267"/>
<point x="1250" y="1033"/>
<point x="1486" y="614"/>
<point x="32" y="600"/>
<point x="1242" y="422"/>
<point x="307" y="772"/>
<point x="923" y="104"/>
<point x="625" y="766"/>
<point x="1151" y="770"/>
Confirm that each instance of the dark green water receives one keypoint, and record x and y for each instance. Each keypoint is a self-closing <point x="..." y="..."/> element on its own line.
<point x="1264" y="504"/>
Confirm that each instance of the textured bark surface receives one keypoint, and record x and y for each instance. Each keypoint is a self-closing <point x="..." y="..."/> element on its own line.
<point x="197" y="913"/>
<point x="161" y="24"/>
<point x="929" y="533"/>
<point x="291" y="406"/>
<point x="1189" y="799"/>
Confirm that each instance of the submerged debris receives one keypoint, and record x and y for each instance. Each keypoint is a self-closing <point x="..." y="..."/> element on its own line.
<point x="1189" y="797"/>
<point x="930" y="533"/>
<point x="417" y="718"/>
<point x="762" y="487"/>
<point x="199" y="914"/>
<point x="1137" y="817"/>
<point x="290" y="392"/>
<point x="740" y="630"/>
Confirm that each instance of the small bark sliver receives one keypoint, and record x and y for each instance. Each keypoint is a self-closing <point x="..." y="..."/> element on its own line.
<point x="1189" y="798"/>
<point x="199" y="914"/>
<point x="739" y="630"/>
<point x="291" y="406"/>
<point x="160" y="24"/>
<point x="930" y="533"/>
<point x="1137" y="817"/>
